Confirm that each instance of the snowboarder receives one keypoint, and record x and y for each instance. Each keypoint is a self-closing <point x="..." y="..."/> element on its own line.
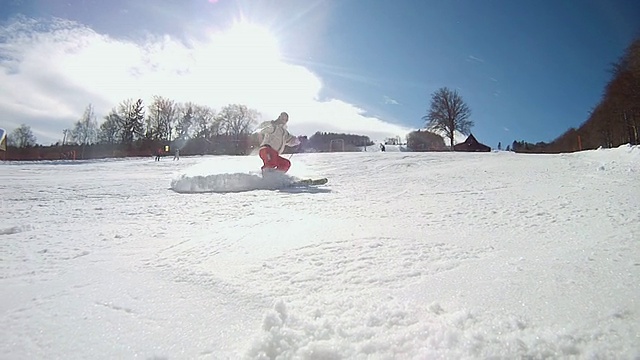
<point x="274" y="137"/>
<point x="176" y="156"/>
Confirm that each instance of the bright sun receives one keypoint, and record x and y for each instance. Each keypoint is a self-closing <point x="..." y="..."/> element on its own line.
<point x="244" y="62"/>
<point x="253" y="38"/>
<point x="244" y="44"/>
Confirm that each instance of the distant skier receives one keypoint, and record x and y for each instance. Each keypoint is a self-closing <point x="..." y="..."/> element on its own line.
<point x="274" y="137"/>
<point x="382" y="148"/>
<point x="176" y="156"/>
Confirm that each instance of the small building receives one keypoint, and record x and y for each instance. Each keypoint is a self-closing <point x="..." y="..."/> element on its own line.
<point x="471" y="145"/>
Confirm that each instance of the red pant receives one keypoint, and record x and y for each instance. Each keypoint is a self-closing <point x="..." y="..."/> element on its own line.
<point x="273" y="160"/>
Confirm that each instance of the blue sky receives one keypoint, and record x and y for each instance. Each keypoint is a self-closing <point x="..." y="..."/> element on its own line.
<point x="528" y="70"/>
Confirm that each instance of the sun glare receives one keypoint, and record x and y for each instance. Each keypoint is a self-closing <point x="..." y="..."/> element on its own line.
<point x="245" y="44"/>
<point x="251" y="39"/>
<point x="244" y="64"/>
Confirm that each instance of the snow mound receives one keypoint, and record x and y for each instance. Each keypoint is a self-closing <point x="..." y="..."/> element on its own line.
<point x="424" y="331"/>
<point x="613" y="160"/>
<point x="632" y="150"/>
<point x="228" y="174"/>
<point x="234" y="182"/>
<point x="15" y="229"/>
<point x="624" y="150"/>
<point x="224" y="174"/>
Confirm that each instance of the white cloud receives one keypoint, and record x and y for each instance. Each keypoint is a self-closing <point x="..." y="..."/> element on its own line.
<point x="390" y="101"/>
<point x="476" y="59"/>
<point x="47" y="78"/>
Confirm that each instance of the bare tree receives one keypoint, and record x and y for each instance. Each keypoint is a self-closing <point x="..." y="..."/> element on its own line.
<point x="185" y="121"/>
<point x="237" y="122"/>
<point x="66" y="136"/>
<point x="109" y="129"/>
<point x="85" y="131"/>
<point x="163" y="114"/>
<point x="22" y="137"/>
<point x="623" y="94"/>
<point x="237" y="119"/>
<point x="448" y="113"/>
<point x="205" y="123"/>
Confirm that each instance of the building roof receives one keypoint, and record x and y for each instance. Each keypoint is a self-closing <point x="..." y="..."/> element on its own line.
<point x="471" y="144"/>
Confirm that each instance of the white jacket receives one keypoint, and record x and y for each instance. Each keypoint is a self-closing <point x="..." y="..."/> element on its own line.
<point x="276" y="135"/>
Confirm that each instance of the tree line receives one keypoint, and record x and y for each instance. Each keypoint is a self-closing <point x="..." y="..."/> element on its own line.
<point x="130" y="129"/>
<point x="329" y="141"/>
<point x="164" y="120"/>
<point x="615" y="119"/>
<point x="133" y="129"/>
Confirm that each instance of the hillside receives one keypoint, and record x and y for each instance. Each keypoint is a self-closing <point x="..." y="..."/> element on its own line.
<point x="401" y="255"/>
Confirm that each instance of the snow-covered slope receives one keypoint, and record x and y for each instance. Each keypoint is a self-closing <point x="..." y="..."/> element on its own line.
<point x="401" y="255"/>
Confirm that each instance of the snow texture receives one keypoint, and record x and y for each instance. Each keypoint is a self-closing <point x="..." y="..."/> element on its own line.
<point x="400" y="256"/>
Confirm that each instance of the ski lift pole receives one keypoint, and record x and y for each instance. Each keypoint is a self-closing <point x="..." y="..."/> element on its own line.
<point x="293" y="152"/>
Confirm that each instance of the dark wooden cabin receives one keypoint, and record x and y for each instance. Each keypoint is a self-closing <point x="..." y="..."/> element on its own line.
<point x="471" y="145"/>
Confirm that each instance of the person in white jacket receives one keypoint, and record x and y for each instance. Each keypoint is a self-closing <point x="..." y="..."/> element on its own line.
<point x="274" y="137"/>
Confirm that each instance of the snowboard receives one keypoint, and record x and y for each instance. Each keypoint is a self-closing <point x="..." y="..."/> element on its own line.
<point x="312" y="182"/>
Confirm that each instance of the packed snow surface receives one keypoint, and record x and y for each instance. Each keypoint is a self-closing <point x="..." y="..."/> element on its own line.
<point x="399" y="256"/>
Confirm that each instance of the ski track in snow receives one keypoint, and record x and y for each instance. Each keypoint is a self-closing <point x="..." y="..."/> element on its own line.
<point x="401" y="255"/>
